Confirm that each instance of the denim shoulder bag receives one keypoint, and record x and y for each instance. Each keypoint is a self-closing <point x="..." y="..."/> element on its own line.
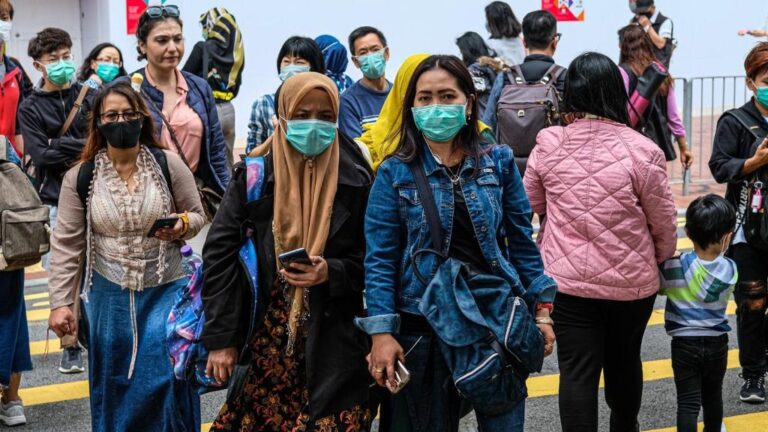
<point x="487" y="334"/>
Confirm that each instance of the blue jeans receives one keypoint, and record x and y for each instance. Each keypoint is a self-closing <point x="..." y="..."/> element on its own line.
<point x="14" y="335"/>
<point x="430" y="401"/>
<point x="151" y="399"/>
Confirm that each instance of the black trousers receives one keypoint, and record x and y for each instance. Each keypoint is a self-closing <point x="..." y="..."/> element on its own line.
<point x="593" y="336"/>
<point x="751" y="303"/>
<point x="699" y="364"/>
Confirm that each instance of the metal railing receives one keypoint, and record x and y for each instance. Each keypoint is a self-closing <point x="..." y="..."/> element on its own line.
<point x="702" y="101"/>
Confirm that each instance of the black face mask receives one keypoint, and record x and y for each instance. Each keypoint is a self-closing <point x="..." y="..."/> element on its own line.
<point x="122" y="135"/>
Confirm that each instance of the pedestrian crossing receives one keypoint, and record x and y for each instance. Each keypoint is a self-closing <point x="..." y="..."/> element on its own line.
<point x="539" y="387"/>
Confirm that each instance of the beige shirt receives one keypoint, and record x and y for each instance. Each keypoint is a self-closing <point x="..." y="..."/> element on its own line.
<point x="119" y="248"/>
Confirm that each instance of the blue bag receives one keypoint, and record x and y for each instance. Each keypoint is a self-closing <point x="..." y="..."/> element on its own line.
<point x="186" y="321"/>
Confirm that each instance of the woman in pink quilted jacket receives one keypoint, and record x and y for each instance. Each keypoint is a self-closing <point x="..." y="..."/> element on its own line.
<point x="609" y="219"/>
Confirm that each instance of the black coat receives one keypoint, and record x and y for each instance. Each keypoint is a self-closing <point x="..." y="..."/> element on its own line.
<point x="733" y="145"/>
<point x="337" y="375"/>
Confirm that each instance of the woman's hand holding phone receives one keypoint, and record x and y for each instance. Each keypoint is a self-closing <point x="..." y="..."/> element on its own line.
<point x="305" y="276"/>
<point x="171" y="234"/>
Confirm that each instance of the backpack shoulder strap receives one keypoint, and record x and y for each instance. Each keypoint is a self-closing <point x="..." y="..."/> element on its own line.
<point x="747" y="121"/>
<point x="254" y="176"/>
<point x="552" y="74"/>
<point x="162" y="160"/>
<point x="515" y="75"/>
<point x="428" y="201"/>
<point x="84" y="179"/>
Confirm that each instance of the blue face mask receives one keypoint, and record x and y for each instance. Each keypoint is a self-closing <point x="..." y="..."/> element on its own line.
<point x="310" y="137"/>
<point x="440" y="123"/>
<point x="291" y="70"/>
<point x="107" y="71"/>
<point x="373" y="65"/>
<point x="761" y="94"/>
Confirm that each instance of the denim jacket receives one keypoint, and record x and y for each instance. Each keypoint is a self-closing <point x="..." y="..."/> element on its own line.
<point x="395" y="227"/>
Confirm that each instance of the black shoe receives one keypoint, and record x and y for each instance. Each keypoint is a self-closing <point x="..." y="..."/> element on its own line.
<point x="753" y="390"/>
<point x="71" y="360"/>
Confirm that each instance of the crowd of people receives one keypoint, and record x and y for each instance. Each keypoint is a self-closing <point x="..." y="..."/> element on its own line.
<point x="396" y="270"/>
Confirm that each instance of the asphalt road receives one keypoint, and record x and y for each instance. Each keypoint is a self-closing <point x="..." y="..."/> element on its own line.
<point x="57" y="402"/>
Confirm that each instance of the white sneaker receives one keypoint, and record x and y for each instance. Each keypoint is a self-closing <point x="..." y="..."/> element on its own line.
<point x="12" y="413"/>
<point x="722" y="427"/>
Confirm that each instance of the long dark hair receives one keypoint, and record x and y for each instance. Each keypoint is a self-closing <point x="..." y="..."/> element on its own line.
<point x="594" y="86"/>
<point x="468" y="139"/>
<point x="502" y="22"/>
<point x="637" y="53"/>
<point x="472" y="47"/>
<point x="86" y="71"/>
<point x="96" y="140"/>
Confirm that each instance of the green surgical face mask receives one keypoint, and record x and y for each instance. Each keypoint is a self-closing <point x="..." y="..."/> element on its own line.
<point x="60" y="72"/>
<point x="440" y="123"/>
<point x="761" y="94"/>
<point x="107" y="71"/>
<point x="373" y="65"/>
<point x="291" y="70"/>
<point x="310" y="137"/>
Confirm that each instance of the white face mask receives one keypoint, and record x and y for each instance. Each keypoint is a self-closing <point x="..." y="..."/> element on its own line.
<point x="5" y="31"/>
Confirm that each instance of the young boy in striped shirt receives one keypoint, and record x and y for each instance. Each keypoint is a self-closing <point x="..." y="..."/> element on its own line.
<point x="698" y="286"/>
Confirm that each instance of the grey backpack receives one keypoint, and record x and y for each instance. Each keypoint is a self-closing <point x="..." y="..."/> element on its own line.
<point x="24" y="230"/>
<point x="525" y="109"/>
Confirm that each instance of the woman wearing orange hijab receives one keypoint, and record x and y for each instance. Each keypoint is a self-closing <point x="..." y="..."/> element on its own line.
<point x="306" y="361"/>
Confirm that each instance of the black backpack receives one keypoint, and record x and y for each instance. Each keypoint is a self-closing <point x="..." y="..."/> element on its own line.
<point x="755" y="224"/>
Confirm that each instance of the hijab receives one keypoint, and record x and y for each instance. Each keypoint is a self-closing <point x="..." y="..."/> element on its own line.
<point x="336" y="61"/>
<point x="224" y="50"/>
<point x="304" y="188"/>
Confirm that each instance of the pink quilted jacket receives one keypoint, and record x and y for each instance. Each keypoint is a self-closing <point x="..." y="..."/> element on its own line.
<point x="610" y="216"/>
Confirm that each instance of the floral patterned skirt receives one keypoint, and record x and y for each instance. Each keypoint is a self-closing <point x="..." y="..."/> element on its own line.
<point x="275" y="396"/>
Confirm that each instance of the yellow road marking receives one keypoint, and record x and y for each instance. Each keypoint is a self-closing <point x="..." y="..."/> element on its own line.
<point x="54" y="393"/>
<point x="657" y="316"/>
<point x="41" y="304"/>
<point x="684" y="244"/>
<point x="206" y="427"/>
<point x="35" y="268"/>
<point x="547" y="385"/>
<point x="739" y="423"/>
<point x="38" y="315"/>
<point x="38" y="296"/>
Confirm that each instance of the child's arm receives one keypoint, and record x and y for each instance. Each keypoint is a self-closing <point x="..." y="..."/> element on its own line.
<point x="672" y="275"/>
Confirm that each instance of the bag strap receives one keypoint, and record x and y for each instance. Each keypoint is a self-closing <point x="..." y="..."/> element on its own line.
<point x="73" y="112"/>
<point x="171" y="131"/>
<point x="428" y="202"/>
<point x="552" y="74"/>
<point x="747" y="121"/>
<point x="515" y="75"/>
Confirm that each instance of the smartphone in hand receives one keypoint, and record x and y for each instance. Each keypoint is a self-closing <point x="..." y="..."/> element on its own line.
<point x="162" y="223"/>
<point x="402" y="377"/>
<point x="299" y="256"/>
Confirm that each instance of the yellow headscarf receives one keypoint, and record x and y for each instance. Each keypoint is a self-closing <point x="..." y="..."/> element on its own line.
<point x="382" y="137"/>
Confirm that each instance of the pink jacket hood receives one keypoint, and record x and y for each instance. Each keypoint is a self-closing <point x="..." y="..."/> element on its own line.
<point x="610" y="216"/>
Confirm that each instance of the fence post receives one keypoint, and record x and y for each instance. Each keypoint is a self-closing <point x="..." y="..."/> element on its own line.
<point x="688" y="124"/>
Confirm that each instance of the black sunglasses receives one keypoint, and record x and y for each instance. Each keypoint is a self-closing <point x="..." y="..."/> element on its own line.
<point x="171" y="11"/>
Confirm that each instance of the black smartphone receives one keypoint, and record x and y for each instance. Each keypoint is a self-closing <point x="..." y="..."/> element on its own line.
<point x="168" y="222"/>
<point x="299" y="256"/>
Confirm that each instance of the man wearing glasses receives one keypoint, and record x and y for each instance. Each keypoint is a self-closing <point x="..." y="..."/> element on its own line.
<point x="54" y="125"/>
<point x="540" y="37"/>
<point x="361" y="103"/>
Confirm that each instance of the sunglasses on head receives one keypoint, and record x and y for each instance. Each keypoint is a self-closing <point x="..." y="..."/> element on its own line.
<point x="171" y="11"/>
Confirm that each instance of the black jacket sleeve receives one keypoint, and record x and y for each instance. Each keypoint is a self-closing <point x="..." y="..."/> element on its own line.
<point x="224" y="288"/>
<point x="729" y="150"/>
<point x="194" y="64"/>
<point x="56" y="153"/>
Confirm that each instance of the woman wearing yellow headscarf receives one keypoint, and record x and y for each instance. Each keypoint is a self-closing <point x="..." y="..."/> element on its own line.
<point x="382" y="137"/>
<point x="305" y="361"/>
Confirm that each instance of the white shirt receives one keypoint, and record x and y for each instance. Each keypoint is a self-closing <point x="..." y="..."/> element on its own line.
<point x="511" y="50"/>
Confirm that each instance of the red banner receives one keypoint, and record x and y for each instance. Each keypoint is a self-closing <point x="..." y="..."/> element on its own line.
<point x="565" y="10"/>
<point x="133" y="11"/>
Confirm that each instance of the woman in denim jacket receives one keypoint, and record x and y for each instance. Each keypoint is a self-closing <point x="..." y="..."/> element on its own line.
<point x="480" y="197"/>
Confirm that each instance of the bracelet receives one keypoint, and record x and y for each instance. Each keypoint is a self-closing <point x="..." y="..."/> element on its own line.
<point x="185" y="220"/>
<point x="545" y="321"/>
<point x="548" y="306"/>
